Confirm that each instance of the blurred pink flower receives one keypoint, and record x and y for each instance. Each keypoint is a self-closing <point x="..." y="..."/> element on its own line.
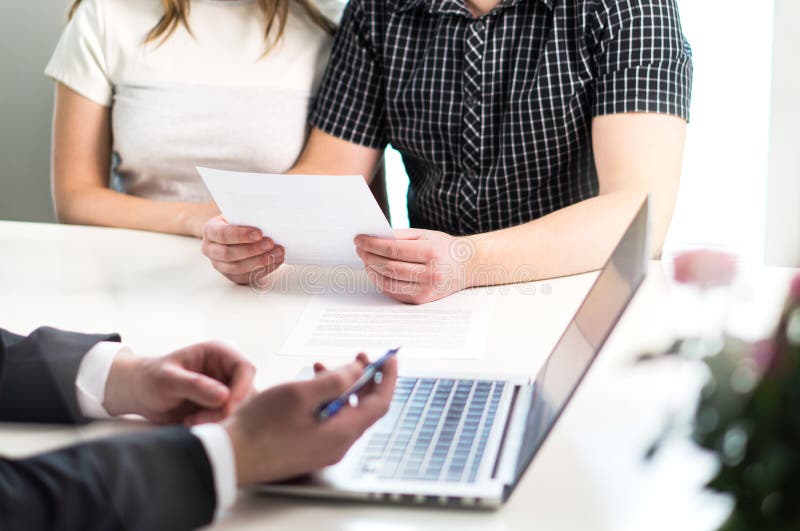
<point x="763" y="354"/>
<point x="795" y="291"/>
<point x="705" y="268"/>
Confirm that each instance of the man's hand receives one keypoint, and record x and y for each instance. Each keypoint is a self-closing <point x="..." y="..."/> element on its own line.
<point x="276" y="435"/>
<point x="205" y="382"/>
<point x="237" y="251"/>
<point x="419" y="266"/>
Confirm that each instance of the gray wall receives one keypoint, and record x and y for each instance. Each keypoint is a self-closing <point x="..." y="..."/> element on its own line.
<point x="29" y="31"/>
<point x="783" y="189"/>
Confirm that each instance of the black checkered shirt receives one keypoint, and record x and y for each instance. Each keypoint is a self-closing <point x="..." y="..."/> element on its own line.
<point x="493" y="115"/>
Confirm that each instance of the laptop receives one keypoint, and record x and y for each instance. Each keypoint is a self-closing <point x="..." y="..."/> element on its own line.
<point x="451" y="440"/>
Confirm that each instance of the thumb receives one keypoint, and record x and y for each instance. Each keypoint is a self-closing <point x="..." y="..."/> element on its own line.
<point x="198" y="388"/>
<point x="328" y="385"/>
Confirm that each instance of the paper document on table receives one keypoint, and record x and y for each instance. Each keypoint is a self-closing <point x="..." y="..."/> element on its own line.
<point x="314" y="217"/>
<point x="343" y="325"/>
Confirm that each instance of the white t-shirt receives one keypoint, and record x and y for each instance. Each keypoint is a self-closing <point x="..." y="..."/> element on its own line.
<point x="206" y="98"/>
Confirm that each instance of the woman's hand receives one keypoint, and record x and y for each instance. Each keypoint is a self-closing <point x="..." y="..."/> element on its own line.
<point x="196" y="216"/>
<point x="419" y="266"/>
<point x="239" y="252"/>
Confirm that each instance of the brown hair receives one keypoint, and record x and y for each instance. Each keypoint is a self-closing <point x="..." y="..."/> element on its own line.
<point x="177" y="12"/>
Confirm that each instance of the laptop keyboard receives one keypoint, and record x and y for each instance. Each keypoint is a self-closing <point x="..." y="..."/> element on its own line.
<point x="435" y="430"/>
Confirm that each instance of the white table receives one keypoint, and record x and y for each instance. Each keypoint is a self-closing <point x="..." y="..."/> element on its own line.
<point x="160" y="293"/>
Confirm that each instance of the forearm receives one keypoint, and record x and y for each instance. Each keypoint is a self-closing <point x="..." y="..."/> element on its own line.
<point x="325" y="154"/>
<point x="51" y="358"/>
<point x="82" y="149"/>
<point x="106" y="207"/>
<point x="159" y="479"/>
<point x="572" y="240"/>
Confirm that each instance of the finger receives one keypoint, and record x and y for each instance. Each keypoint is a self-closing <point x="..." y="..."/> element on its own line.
<point x="408" y="292"/>
<point x="392" y="286"/>
<point x="381" y="393"/>
<point x="225" y="363"/>
<point x="331" y="384"/>
<point x="420" y="251"/>
<point x="220" y="231"/>
<point x="373" y="405"/>
<point x="270" y="260"/>
<point x="197" y="388"/>
<point x="385" y="389"/>
<point x="241" y="382"/>
<point x="259" y="277"/>
<point x="233" y="253"/>
<point x="363" y="360"/>
<point x="408" y="271"/>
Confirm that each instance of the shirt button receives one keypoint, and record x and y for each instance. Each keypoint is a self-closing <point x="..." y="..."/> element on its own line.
<point x="479" y="26"/>
<point x="472" y="175"/>
<point x="472" y="101"/>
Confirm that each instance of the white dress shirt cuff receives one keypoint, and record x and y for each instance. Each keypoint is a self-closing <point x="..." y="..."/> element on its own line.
<point x="92" y="376"/>
<point x="223" y="463"/>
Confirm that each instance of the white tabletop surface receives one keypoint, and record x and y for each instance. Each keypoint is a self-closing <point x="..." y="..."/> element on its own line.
<point x="160" y="293"/>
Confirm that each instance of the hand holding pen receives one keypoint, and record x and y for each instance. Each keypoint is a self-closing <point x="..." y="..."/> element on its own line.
<point x="372" y="374"/>
<point x="282" y="421"/>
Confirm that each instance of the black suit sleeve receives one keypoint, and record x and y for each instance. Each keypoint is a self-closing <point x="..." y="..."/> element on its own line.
<point x="160" y="479"/>
<point x="38" y="372"/>
<point x="155" y="480"/>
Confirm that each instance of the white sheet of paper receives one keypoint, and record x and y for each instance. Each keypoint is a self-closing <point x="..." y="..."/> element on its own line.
<point x="314" y="217"/>
<point x="345" y="324"/>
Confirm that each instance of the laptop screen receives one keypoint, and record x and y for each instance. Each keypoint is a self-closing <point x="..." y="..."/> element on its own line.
<point x="585" y="335"/>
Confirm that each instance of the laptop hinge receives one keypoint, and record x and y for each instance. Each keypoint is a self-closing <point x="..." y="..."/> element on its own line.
<point x="511" y="443"/>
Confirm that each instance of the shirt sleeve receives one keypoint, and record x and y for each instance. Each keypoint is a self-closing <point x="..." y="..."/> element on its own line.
<point x="80" y="61"/>
<point x="350" y="101"/>
<point x="93" y="372"/>
<point x="220" y="454"/>
<point x="643" y="61"/>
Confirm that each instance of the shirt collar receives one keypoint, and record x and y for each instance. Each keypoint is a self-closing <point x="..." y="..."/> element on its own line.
<point x="454" y="6"/>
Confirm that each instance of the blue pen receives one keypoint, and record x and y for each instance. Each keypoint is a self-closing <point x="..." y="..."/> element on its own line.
<point x="371" y="372"/>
